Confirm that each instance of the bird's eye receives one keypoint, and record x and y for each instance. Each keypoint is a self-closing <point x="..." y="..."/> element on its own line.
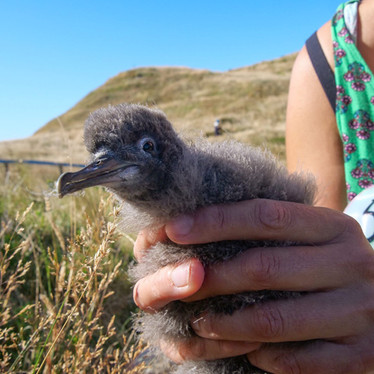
<point x="148" y="146"/>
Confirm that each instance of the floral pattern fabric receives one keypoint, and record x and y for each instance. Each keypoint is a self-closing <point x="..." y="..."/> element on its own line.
<point x="354" y="106"/>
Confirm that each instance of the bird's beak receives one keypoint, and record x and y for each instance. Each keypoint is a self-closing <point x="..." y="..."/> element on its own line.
<point x="103" y="172"/>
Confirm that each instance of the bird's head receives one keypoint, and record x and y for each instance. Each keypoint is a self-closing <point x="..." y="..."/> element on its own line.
<point x="132" y="148"/>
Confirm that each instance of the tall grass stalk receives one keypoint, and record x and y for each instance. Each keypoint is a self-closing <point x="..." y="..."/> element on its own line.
<point x="61" y="263"/>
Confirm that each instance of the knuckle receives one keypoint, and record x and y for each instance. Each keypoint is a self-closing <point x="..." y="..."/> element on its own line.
<point x="198" y="350"/>
<point x="288" y="363"/>
<point x="350" y="233"/>
<point x="273" y="215"/>
<point x="263" y="268"/>
<point x="215" y="217"/>
<point x="224" y="348"/>
<point x="347" y="230"/>
<point x="268" y="323"/>
<point x="173" y="351"/>
<point x="193" y="349"/>
<point x="351" y="227"/>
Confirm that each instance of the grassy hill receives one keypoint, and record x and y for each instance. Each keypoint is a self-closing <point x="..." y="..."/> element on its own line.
<point x="250" y="101"/>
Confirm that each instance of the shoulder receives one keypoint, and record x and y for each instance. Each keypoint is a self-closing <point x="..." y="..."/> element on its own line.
<point x="312" y="138"/>
<point x="306" y="91"/>
<point x="303" y="64"/>
<point x="325" y="39"/>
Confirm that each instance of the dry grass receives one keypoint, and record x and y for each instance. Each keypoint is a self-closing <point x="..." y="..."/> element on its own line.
<point x="65" y="303"/>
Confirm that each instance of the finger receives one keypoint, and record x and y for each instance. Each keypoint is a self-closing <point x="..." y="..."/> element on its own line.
<point x="312" y="357"/>
<point x="301" y="268"/>
<point x="261" y="219"/>
<point x="146" y="239"/>
<point x="197" y="349"/>
<point x="295" y="319"/>
<point x="167" y="284"/>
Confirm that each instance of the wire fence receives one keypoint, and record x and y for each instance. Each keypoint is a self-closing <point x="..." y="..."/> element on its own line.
<point x="60" y="165"/>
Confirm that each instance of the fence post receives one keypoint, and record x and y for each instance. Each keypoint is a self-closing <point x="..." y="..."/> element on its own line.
<point x="6" y="172"/>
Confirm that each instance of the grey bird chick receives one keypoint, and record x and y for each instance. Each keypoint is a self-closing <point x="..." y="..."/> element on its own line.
<point x="137" y="155"/>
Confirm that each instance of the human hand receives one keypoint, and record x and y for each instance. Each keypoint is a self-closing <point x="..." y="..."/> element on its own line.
<point x="333" y="322"/>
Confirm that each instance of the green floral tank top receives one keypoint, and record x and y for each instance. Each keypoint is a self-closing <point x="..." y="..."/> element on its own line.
<point x="354" y="103"/>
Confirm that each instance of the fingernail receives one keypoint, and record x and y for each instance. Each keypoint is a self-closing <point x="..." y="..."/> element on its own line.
<point x="182" y="225"/>
<point x="180" y="276"/>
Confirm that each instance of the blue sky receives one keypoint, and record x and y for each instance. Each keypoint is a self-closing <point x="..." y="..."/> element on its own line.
<point x="53" y="53"/>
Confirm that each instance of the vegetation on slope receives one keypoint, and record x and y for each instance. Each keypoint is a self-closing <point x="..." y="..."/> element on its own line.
<point x="251" y="103"/>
